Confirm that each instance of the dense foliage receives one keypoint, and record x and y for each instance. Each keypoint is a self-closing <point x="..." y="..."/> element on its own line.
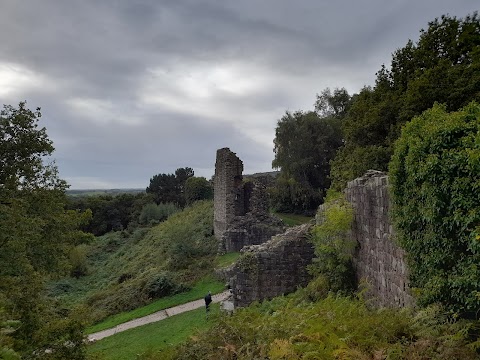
<point x="36" y="236"/>
<point x="110" y="212"/>
<point x="304" y="145"/>
<point x="442" y="66"/>
<point x="436" y="191"/>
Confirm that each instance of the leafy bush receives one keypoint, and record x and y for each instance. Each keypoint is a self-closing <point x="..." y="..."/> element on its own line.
<point x="333" y="245"/>
<point x="435" y="181"/>
<point x="162" y="285"/>
<point x="78" y="261"/>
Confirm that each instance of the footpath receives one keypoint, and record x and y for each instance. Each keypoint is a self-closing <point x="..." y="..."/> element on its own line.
<point x="159" y="315"/>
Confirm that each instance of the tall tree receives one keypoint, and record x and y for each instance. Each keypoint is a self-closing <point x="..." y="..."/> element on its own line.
<point x="170" y="187"/>
<point x="36" y="233"/>
<point x="304" y="144"/>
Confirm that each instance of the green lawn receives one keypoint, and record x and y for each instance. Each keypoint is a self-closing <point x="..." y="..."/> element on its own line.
<point x="293" y="219"/>
<point x="226" y="259"/>
<point x="197" y="292"/>
<point x="152" y="338"/>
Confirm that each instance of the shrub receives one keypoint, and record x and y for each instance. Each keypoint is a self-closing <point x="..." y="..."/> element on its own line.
<point x="162" y="285"/>
<point x="435" y="185"/>
<point x="78" y="261"/>
<point x="333" y="246"/>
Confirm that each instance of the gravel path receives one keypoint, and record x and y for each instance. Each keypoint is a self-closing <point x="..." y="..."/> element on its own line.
<point x="159" y="315"/>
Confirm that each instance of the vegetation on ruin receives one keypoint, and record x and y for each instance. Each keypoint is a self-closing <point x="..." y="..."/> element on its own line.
<point x="332" y="265"/>
<point x="435" y="184"/>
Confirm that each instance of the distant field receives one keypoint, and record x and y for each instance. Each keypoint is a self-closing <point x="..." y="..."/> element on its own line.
<point x="97" y="192"/>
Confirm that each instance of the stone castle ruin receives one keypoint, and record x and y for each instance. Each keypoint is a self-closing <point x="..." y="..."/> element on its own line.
<point x="275" y="261"/>
<point x="241" y="214"/>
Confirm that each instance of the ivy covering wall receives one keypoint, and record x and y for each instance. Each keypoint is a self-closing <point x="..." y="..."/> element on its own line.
<point x="435" y="178"/>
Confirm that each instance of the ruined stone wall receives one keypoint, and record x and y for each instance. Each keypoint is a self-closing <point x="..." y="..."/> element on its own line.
<point x="377" y="258"/>
<point x="241" y="214"/>
<point x="273" y="268"/>
<point x="228" y="197"/>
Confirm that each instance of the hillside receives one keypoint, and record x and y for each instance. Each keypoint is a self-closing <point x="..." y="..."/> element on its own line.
<point x="126" y="270"/>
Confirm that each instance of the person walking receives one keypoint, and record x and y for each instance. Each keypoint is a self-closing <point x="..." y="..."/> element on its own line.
<point x="208" y="300"/>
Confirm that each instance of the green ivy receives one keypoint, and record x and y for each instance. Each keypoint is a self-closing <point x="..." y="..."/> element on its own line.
<point x="333" y="245"/>
<point x="435" y="178"/>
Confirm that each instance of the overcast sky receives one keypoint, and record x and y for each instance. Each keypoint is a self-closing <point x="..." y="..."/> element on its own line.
<point x="129" y="89"/>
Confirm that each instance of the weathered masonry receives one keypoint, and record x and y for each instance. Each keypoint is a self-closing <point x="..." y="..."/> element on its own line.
<point x="228" y="194"/>
<point x="276" y="267"/>
<point x="275" y="263"/>
<point x="378" y="260"/>
<point x="241" y="214"/>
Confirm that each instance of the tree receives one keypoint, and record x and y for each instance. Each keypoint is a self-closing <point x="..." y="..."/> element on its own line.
<point x="197" y="188"/>
<point x="336" y="104"/>
<point x="170" y="187"/>
<point x="434" y="176"/>
<point x="304" y="144"/>
<point x="442" y="66"/>
<point x="36" y="233"/>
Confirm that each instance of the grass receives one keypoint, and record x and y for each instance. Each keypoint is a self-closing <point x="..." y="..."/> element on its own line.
<point x="197" y="292"/>
<point x="151" y="338"/>
<point x="293" y="219"/>
<point x="227" y="259"/>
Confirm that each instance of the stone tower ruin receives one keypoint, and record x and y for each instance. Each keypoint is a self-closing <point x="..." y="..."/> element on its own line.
<point x="240" y="206"/>
<point x="228" y="194"/>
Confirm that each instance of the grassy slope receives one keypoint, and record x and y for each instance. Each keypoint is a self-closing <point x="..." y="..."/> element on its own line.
<point x="197" y="292"/>
<point x="292" y="327"/>
<point x="151" y="338"/>
<point x="124" y="268"/>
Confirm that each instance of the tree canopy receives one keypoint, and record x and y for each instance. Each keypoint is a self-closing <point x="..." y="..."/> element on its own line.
<point x="304" y="144"/>
<point x="442" y="66"/>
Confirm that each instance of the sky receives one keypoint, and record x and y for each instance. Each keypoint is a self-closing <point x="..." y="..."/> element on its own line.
<point x="133" y="88"/>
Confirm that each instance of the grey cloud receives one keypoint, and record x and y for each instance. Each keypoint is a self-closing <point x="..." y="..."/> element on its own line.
<point x="102" y="52"/>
